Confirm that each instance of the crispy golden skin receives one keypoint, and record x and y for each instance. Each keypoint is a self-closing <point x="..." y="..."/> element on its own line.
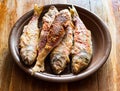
<point x="55" y="36"/>
<point x="47" y="21"/>
<point x="60" y="55"/>
<point x="82" y="48"/>
<point x="29" y="38"/>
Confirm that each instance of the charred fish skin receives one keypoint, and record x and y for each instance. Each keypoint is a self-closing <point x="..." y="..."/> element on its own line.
<point x="60" y="55"/>
<point x="29" y="38"/>
<point x="55" y="36"/>
<point x="82" y="49"/>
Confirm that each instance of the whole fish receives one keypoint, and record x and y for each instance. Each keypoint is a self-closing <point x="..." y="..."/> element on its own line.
<point x="29" y="38"/>
<point x="47" y="21"/>
<point x="55" y="36"/>
<point x="60" y="54"/>
<point x="82" y="49"/>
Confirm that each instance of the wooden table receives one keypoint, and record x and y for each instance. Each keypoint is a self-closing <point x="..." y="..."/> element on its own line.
<point x="12" y="78"/>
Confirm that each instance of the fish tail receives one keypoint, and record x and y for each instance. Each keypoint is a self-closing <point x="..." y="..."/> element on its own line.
<point x="37" y="10"/>
<point x="73" y="11"/>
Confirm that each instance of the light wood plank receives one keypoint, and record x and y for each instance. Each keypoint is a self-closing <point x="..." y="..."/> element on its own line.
<point x="87" y="84"/>
<point x="81" y="3"/>
<point x="116" y="11"/>
<point x="107" y="74"/>
<point x="111" y="68"/>
<point x="6" y="23"/>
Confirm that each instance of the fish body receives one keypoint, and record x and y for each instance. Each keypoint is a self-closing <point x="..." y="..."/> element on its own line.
<point x="60" y="54"/>
<point x="55" y="36"/>
<point x="82" y="49"/>
<point x="29" y="38"/>
<point x="47" y="21"/>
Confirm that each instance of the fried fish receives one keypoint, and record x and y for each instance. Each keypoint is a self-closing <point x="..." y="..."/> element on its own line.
<point x="82" y="49"/>
<point x="29" y="38"/>
<point x="60" y="55"/>
<point x="55" y="36"/>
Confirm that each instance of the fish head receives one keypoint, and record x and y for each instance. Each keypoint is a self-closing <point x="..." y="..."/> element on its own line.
<point x="80" y="62"/>
<point x="59" y="62"/>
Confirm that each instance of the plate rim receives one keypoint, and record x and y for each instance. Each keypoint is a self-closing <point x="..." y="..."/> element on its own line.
<point x="43" y="76"/>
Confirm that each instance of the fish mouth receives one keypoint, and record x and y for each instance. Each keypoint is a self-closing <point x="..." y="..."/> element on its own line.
<point x="59" y="62"/>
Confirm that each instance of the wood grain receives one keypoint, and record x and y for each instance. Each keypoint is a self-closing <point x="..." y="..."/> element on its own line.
<point x="6" y="24"/>
<point x="12" y="78"/>
<point x="106" y="73"/>
<point x="116" y="11"/>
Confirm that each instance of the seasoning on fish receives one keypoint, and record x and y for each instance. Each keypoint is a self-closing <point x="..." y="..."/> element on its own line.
<point x="82" y="49"/>
<point x="55" y="36"/>
<point x="47" y="20"/>
<point x="60" y="54"/>
<point x="29" y="38"/>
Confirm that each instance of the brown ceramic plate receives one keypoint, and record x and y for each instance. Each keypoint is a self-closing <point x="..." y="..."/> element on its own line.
<point x="101" y="45"/>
